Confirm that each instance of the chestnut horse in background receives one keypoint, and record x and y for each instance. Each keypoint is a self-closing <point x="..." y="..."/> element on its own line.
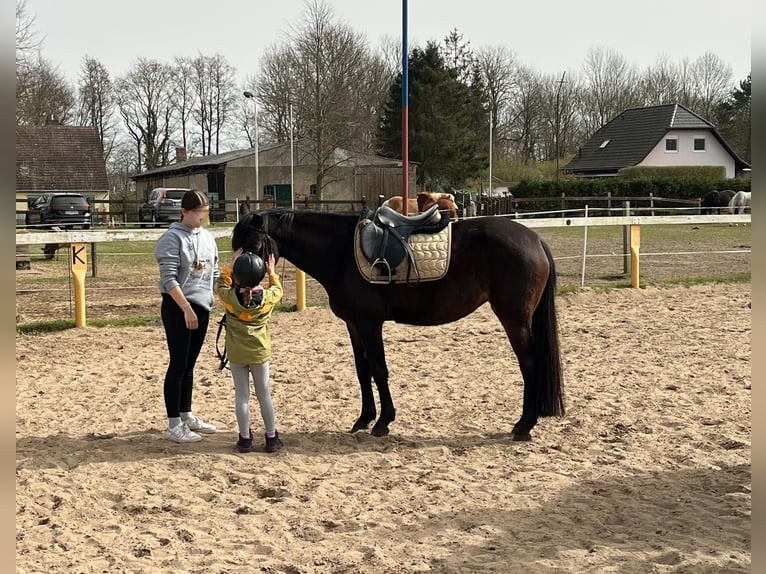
<point x="424" y="200"/>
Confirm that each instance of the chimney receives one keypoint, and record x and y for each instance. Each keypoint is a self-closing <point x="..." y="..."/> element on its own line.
<point x="180" y="154"/>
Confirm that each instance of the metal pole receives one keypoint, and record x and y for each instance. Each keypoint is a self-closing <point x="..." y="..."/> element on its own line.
<point x="405" y="119"/>
<point x="292" y="163"/>
<point x="490" y="152"/>
<point x="249" y="95"/>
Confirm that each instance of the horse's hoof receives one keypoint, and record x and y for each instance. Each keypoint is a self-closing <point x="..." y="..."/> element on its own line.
<point x="521" y="437"/>
<point x="359" y="425"/>
<point x="379" y="430"/>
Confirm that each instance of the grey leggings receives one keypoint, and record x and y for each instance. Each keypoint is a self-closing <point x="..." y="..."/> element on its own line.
<point x="241" y="376"/>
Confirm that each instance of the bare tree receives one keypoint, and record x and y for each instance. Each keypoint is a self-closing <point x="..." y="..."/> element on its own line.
<point x="661" y="83"/>
<point x="213" y="83"/>
<point x="96" y="102"/>
<point x="327" y="64"/>
<point x="144" y="98"/>
<point x="497" y="66"/>
<point x="185" y="98"/>
<point x="711" y="82"/>
<point x="609" y="87"/>
<point x="28" y="41"/>
<point x="42" y="95"/>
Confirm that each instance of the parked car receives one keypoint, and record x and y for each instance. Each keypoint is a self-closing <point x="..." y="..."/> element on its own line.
<point x="65" y="210"/>
<point x="162" y="205"/>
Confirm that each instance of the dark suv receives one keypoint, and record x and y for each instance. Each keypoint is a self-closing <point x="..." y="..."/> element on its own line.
<point x="65" y="210"/>
<point x="163" y="204"/>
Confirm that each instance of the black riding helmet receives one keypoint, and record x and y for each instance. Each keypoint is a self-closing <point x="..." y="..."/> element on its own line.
<point x="248" y="270"/>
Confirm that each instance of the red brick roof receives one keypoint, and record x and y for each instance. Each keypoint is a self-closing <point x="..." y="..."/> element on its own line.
<point x="59" y="158"/>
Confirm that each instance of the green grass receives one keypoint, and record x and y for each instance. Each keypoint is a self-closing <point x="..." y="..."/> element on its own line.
<point x="41" y="327"/>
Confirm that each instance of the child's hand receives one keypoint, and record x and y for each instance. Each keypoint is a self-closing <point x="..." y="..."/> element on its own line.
<point x="236" y="254"/>
<point x="270" y="264"/>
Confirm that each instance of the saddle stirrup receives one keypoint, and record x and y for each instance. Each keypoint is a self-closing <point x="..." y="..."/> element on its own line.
<point x="387" y="268"/>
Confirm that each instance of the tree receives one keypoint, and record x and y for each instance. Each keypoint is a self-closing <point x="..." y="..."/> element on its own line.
<point x="609" y="88"/>
<point x="144" y="97"/>
<point x="734" y="119"/>
<point x="97" y="103"/>
<point x="42" y="92"/>
<point x="185" y="99"/>
<point x="327" y="71"/>
<point x="212" y="82"/>
<point x="444" y="115"/>
<point x="43" y="95"/>
<point x="711" y="80"/>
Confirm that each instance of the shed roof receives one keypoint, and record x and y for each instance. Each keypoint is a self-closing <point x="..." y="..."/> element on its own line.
<point x="276" y="154"/>
<point x="60" y="158"/>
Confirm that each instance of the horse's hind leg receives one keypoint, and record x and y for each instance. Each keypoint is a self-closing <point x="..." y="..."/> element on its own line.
<point x="521" y="341"/>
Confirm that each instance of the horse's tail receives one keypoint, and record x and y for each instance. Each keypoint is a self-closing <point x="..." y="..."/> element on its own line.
<point x="545" y="336"/>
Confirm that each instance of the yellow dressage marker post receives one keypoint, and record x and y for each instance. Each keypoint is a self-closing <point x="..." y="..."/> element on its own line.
<point x="77" y="258"/>
<point x="635" y="246"/>
<point x="300" y="289"/>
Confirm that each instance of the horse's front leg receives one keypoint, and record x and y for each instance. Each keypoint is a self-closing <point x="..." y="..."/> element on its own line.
<point x="365" y="381"/>
<point x="372" y="339"/>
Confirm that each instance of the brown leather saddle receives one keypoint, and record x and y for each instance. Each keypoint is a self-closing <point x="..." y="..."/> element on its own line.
<point x="384" y="238"/>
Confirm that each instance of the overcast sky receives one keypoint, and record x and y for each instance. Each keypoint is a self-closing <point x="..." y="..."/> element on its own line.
<point x="550" y="37"/>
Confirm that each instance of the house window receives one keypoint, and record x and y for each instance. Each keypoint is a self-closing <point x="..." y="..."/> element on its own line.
<point x="313" y="189"/>
<point x="699" y="144"/>
<point x="604" y="144"/>
<point x="671" y="144"/>
<point x="269" y="191"/>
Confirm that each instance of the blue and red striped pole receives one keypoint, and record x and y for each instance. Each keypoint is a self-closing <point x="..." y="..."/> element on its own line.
<point x="405" y="122"/>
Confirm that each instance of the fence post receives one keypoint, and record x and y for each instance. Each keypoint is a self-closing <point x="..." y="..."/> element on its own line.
<point x="626" y="242"/>
<point x="651" y="202"/>
<point x="563" y="204"/>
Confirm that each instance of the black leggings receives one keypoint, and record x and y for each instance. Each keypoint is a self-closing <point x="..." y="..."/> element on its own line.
<point x="184" y="346"/>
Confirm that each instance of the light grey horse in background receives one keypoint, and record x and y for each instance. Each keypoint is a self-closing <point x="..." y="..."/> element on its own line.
<point x="740" y="203"/>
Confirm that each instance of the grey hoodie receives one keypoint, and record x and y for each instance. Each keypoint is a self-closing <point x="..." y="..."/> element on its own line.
<point x="176" y="251"/>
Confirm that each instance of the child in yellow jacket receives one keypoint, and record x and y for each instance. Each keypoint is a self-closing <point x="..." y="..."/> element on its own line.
<point x="248" y="342"/>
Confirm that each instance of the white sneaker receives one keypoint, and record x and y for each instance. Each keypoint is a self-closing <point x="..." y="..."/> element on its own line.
<point x="196" y="424"/>
<point x="181" y="433"/>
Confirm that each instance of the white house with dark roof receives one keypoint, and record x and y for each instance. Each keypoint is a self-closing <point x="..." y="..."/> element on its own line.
<point x="665" y="135"/>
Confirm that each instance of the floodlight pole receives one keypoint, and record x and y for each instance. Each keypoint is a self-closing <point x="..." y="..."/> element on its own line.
<point x="249" y="95"/>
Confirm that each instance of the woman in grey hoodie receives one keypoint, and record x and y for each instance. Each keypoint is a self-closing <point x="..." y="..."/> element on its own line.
<point x="188" y="259"/>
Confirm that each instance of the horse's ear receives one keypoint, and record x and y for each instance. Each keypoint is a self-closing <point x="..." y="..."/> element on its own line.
<point x="245" y="232"/>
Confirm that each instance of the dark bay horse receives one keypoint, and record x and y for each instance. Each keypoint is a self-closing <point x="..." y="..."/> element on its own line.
<point x="715" y="200"/>
<point x="493" y="259"/>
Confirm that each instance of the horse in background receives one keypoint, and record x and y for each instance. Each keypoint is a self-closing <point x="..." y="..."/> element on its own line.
<point x="424" y="200"/>
<point x="715" y="200"/>
<point x="740" y="203"/>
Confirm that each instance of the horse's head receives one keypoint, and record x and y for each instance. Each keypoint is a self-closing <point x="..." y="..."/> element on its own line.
<point x="251" y="234"/>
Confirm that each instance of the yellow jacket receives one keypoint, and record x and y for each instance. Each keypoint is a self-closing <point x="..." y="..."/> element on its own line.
<point x="248" y="341"/>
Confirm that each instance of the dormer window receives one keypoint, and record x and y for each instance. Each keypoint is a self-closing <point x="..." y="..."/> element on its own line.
<point x="603" y="144"/>
<point x="671" y="144"/>
<point x="699" y="144"/>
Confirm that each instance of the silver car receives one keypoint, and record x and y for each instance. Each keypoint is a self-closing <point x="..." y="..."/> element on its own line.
<point x="162" y="205"/>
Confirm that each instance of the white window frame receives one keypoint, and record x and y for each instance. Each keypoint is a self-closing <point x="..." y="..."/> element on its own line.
<point x="694" y="144"/>
<point x="269" y="190"/>
<point x="313" y="190"/>
<point x="669" y="139"/>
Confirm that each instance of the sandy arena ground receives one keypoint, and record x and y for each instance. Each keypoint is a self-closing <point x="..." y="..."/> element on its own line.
<point x="648" y="472"/>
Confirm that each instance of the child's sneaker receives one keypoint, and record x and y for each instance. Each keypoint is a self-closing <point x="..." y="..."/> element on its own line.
<point x="181" y="433"/>
<point x="273" y="444"/>
<point x="196" y="424"/>
<point x="245" y="444"/>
